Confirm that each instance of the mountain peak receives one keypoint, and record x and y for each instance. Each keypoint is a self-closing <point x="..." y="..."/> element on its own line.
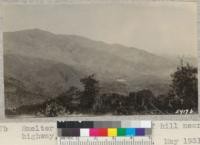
<point x="36" y="30"/>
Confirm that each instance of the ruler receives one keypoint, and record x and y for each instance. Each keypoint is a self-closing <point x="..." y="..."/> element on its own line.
<point x="104" y="141"/>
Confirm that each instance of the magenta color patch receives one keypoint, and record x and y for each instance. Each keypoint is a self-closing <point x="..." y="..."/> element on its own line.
<point x="93" y="132"/>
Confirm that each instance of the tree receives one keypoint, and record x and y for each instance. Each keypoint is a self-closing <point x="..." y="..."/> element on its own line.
<point x="184" y="88"/>
<point x="131" y="101"/>
<point x="119" y="104"/>
<point x="53" y="109"/>
<point x="144" y="99"/>
<point x="70" y="99"/>
<point x="102" y="104"/>
<point x="91" y="90"/>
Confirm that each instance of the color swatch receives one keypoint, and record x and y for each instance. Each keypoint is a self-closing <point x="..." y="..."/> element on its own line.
<point x="104" y="124"/>
<point x="121" y="132"/>
<point x="104" y="129"/>
<point x="103" y="132"/>
<point x="130" y="132"/>
<point x="112" y="132"/>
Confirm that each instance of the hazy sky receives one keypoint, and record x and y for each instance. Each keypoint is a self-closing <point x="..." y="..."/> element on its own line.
<point x="158" y="27"/>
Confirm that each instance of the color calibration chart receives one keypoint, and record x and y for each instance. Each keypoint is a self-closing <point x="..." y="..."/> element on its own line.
<point x="104" y="133"/>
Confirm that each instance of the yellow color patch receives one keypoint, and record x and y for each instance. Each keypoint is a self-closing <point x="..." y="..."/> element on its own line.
<point x="112" y="132"/>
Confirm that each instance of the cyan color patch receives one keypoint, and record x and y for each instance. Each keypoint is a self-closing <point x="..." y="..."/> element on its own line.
<point x="130" y="132"/>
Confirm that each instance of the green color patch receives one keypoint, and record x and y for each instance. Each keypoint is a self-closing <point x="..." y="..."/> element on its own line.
<point x="121" y="132"/>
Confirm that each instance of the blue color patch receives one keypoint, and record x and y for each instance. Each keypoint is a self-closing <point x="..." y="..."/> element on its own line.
<point x="130" y="132"/>
<point x="140" y="132"/>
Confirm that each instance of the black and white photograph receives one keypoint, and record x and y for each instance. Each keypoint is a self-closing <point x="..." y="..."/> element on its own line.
<point x="137" y="58"/>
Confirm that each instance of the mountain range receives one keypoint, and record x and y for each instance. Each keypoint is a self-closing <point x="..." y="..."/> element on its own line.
<point x="39" y="65"/>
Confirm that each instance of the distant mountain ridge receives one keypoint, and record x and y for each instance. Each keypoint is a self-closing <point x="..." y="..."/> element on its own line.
<point x="40" y="58"/>
<point x="83" y="53"/>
